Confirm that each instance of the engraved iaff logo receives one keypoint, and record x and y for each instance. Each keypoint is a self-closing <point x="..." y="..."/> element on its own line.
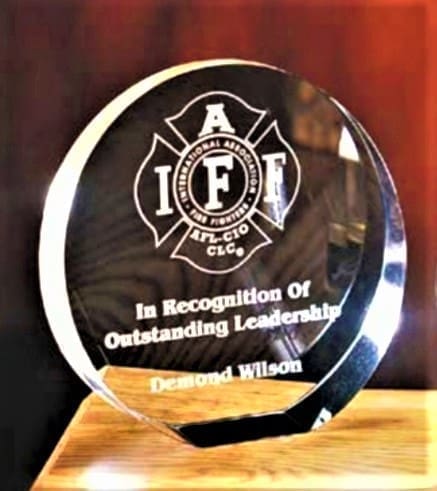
<point x="219" y="195"/>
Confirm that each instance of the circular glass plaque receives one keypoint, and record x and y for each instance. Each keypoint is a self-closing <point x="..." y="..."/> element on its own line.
<point x="229" y="234"/>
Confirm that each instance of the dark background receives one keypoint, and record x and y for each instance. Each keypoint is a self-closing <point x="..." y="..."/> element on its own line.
<point x="62" y="61"/>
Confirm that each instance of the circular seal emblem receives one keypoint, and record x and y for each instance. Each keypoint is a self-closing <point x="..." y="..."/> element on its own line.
<point x="234" y="165"/>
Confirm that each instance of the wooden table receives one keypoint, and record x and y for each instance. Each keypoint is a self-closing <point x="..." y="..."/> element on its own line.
<point x="385" y="439"/>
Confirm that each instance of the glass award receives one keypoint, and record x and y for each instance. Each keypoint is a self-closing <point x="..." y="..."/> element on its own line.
<point x="223" y="228"/>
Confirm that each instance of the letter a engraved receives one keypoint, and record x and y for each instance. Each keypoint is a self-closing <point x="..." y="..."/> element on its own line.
<point x="216" y="119"/>
<point x="216" y="183"/>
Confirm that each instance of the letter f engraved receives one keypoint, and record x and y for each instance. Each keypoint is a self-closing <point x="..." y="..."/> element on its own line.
<point x="274" y="175"/>
<point x="216" y="183"/>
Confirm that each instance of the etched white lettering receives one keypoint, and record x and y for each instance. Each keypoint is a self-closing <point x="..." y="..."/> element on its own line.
<point x="164" y="199"/>
<point x="216" y="119"/>
<point x="216" y="183"/>
<point x="274" y="175"/>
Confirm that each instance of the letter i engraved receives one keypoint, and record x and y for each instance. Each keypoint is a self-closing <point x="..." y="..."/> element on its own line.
<point x="163" y="172"/>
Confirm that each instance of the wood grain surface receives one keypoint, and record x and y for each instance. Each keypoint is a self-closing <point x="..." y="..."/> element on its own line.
<point x="385" y="439"/>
